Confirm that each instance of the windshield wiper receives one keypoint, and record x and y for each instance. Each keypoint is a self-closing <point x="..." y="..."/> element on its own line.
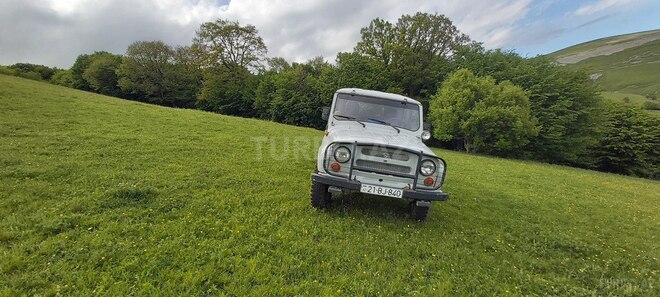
<point x="385" y="123"/>
<point x="350" y="119"/>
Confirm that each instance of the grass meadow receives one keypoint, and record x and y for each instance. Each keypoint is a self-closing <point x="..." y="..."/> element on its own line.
<point x="102" y="196"/>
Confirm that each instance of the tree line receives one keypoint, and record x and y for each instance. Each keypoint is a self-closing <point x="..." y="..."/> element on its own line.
<point x="481" y="101"/>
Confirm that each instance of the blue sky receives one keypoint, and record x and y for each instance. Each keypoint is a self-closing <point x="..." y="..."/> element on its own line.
<point x="55" y="32"/>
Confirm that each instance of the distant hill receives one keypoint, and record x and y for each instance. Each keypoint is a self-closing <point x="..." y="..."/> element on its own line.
<point x="622" y="66"/>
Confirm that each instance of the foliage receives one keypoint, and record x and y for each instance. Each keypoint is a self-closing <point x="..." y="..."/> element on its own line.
<point x="7" y="71"/>
<point x="414" y="50"/>
<point x="145" y="69"/>
<point x="228" y="44"/>
<point x="564" y="101"/>
<point x="630" y="143"/>
<point x="33" y="71"/>
<point x="101" y="74"/>
<point x="354" y="70"/>
<point x="294" y="94"/>
<point x="63" y="78"/>
<point x="568" y="108"/>
<point x="482" y="115"/>
<point x="430" y="34"/>
<point x="155" y="72"/>
<point x="228" y="91"/>
<point x="227" y="52"/>
<point x="651" y="105"/>
<point x="78" y="69"/>
<point x="109" y="197"/>
<point x="186" y="82"/>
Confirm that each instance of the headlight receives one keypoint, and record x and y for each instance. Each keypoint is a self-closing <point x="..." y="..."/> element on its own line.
<point x="342" y="154"/>
<point x="426" y="135"/>
<point x="427" y="168"/>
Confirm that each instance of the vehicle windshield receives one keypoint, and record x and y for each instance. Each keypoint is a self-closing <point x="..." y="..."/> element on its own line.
<point x="377" y="111"/>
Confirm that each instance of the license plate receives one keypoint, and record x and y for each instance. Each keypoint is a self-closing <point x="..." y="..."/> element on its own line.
<point x="382" y="191"/>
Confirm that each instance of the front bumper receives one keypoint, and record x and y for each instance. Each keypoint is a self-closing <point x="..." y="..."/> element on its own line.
<point x="355" y="186"/>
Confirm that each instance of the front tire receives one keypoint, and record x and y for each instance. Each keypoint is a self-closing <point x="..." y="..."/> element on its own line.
<point x="420" y="210"/>
<point x="320" y="195"/>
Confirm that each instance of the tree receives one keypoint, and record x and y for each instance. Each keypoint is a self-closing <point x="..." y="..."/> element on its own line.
<point x="278" y="64"/>
<point x="482" y="115"/>
<point x="62" y="78"/>
<point x="148" y="71"/>
<point x="630" y="143"/>
<point x="353" y="70"/>
<point x="186" y="82"/>
<point x="378" y="41"/>
<point x="414" y="50"/>
<point x="228" y="91"/>
<point x="565" y="102"/>
<point x="228" y="53"/>
<point x="294" y="95"/>
<point x="34" y="71"/>
<point x="231" y="45"/>
<point x="79" y="67"/>
<point x="422" y="33"/>
<point x="100" y="74"/>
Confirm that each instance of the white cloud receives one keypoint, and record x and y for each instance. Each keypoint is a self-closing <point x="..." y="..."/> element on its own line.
<point x="54" y="32"/>
<point x="599" y="6"/>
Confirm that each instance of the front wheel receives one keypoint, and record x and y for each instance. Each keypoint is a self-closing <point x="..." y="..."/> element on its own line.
<point x="420" y="210"/>
<point x="320" y="195"/>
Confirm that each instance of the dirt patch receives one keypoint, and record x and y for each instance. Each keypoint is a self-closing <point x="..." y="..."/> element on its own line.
<point x="607" y="49"/>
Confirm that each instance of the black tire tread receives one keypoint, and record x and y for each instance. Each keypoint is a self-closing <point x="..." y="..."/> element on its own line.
<point x="419" y="213"/>
<point x="320" y="197"/>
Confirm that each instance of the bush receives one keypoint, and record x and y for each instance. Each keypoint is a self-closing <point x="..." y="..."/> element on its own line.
<point x="483" y="115"/>
<point x="29" y="75"/>
<point x="62" y="78"/>
<point x="7" y="71"/>
<point x="630" y="143"/>
<point x="565" y="102"/>
<point x="33" y="71"/>
<point x="651" y="105"/>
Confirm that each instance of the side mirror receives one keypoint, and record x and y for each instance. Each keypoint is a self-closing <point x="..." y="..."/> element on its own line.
<point x="427" y="126"/>
<point x="426" y="134"/>
<point x="325" y="113"/>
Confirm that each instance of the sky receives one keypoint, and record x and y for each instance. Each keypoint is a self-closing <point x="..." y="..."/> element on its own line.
<point x="55" y="32"/>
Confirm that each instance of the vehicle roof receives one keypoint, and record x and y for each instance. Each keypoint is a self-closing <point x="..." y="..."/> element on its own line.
<point x="377" y="94"/>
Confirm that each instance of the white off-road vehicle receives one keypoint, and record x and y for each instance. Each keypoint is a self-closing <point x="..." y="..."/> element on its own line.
<point x="373" y="145"/>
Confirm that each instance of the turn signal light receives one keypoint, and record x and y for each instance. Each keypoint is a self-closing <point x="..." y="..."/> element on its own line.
<point x="335" y="166"/>
<point x="429" y="181"/>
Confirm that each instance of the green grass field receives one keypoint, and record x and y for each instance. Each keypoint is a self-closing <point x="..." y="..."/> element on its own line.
<point x="111" y="197"/>
<point x="633" y="99"/>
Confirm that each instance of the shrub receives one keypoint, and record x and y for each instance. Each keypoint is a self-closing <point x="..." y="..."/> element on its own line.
<point x="651" y="105"/>
<point x="630" y="143"/>
<point x="483" y="115"/>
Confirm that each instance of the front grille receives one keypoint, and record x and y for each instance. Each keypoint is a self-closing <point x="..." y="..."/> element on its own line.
<point x="386" y="153"/>
<point x="373" y="165"/>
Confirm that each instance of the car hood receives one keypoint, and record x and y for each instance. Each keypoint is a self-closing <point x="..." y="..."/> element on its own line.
<point x="378" y="135"/>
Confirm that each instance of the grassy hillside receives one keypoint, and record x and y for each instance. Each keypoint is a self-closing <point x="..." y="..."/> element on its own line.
<point x="625" y="65"/>
<point x="106" y="196"/>
<point x="604" y="46"/>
